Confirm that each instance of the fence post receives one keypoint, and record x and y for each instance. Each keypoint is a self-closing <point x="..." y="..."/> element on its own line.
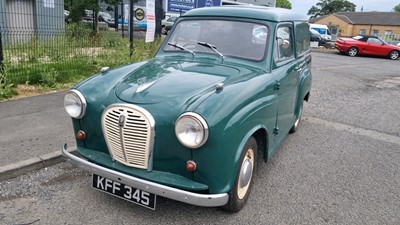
<point x="131" y="28"/>
<point x="116" y="16"/>
<point x="122" y="18"/>
<point x="160" y="15"/>
<point x="2" y="75"/>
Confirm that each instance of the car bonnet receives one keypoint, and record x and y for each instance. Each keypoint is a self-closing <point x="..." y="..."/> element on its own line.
<point x="158" y="81"/>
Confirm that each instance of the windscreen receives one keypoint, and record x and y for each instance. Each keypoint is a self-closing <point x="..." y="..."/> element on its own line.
<point x="229" y="38"/>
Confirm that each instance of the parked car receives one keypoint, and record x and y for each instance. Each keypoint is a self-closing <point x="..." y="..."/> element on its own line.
<point x="315" y="36"/>
<point x="137" y="25"/>
<point x="140" y="24"/>
<point x="393" y="43"/>
<point x="168" y="24"/>
<point x="367" y="45"/>
<point x="323" y="30"/>
<point x="106" y="18"/>
<point x="88" y="15"/>
<point x="66" y="15"/>
<point x="226" y="86"/>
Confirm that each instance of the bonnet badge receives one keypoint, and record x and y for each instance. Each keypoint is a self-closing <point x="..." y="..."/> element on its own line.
<point x="121" y="121"/>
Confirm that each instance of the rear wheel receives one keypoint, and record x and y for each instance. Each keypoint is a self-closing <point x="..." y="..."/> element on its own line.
<point x="244" y="178"/>
<point x="394" y="55"/>
<point x="353" y="51"/>
<point x="297" y="122"/>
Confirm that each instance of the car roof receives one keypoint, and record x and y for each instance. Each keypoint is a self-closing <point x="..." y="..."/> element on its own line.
<point x="250" y="11"/>
<point x="365" y="37"/>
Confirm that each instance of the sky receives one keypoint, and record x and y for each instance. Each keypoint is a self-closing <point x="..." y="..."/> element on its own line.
<point x="302" y="6"/>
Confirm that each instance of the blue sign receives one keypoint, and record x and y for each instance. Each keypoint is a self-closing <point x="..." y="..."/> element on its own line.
<point x="182" y="6"/>
<point x="208" y="3"/>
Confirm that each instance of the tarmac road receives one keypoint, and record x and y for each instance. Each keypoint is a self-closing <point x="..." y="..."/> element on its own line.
<point x="341" y="167"/>
<point x="31" y="132"/>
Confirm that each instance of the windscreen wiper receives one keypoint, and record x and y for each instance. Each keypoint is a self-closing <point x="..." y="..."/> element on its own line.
<point x="205" y="44"/>
<point x="181" y="48"/>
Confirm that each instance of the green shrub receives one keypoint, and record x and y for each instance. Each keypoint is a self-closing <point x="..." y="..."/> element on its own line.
<point x="6" y="90"/>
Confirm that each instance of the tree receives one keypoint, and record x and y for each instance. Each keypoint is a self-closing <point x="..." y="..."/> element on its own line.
<point x="79" y="6"/>
<point x="326" y="7"/>
<point x="283" y="4"/>
<point x="397" y="8"/>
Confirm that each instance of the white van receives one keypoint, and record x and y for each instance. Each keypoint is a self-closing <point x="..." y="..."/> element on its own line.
<point x="323" y="30"/>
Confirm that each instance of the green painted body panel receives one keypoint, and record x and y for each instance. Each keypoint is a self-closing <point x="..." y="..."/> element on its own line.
<point x="164" y="178"/>
<point x="175" y="82"/>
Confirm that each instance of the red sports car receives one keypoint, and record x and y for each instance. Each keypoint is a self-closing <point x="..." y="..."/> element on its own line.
<point x="367" y="45"/>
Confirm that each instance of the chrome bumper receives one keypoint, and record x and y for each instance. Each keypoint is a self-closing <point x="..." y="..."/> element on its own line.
<point x="207" y="200"/>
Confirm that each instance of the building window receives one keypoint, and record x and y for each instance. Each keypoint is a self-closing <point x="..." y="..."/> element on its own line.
<point x="388" y="32"/>
<point x="375" y="32"/>
<point x="362" y="32"/>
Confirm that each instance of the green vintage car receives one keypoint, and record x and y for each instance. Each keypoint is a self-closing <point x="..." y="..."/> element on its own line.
<point x="225" y="88"/>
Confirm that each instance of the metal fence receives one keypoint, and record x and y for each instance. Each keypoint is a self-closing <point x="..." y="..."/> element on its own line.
<point x="38" y="45"/>
<point x="390" y="38"/>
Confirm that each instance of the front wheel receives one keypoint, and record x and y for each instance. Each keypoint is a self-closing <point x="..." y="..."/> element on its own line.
<point x="353" y="51"/>
<point x="239" y="193"/>
<point x="164" y="30"/>
<point x="394" y="55"/>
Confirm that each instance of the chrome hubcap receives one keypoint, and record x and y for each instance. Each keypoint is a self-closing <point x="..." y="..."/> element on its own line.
<point x="296" y="124"/>
<point x="245" y="174"/>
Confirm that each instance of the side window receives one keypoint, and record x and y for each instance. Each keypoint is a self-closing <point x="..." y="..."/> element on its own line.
<point x="302" y="38"/>
<point x="374" y="41"/>
<point x="283" y="48"/>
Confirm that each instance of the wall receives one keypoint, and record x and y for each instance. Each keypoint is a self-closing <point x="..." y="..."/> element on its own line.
<point x="49" y="16"/>
<point x="349" y="30"/>
<point x="22" y="20"/>
<point x="369" y="28"/>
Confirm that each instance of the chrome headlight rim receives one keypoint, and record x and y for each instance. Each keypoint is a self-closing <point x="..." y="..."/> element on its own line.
<point x="81" y="102"/>
<point x="200" y="121"/>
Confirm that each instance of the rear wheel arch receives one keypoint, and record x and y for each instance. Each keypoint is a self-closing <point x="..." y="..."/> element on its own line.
<point x="307" y="97"/>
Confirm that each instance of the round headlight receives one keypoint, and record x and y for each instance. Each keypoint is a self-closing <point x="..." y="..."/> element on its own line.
<point x="75" y="104"/>
<point x="191" y="130"/>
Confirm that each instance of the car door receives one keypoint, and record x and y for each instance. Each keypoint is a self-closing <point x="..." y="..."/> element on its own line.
<point x="375" y="46"/>
<point x="287" y="78"/>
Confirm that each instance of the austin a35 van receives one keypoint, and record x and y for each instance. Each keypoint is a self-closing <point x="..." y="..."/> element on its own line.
<point x="191" y="124"/>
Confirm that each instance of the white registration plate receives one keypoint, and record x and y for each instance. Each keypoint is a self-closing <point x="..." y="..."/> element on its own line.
<point x="124" y="191"/>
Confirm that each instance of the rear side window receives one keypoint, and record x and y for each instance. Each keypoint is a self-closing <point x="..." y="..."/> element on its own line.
<point x="283" y="48"/>
<point x="302" y="38"/>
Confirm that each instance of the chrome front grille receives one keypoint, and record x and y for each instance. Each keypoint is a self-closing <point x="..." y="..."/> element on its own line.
<point x="129" y="133"/>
